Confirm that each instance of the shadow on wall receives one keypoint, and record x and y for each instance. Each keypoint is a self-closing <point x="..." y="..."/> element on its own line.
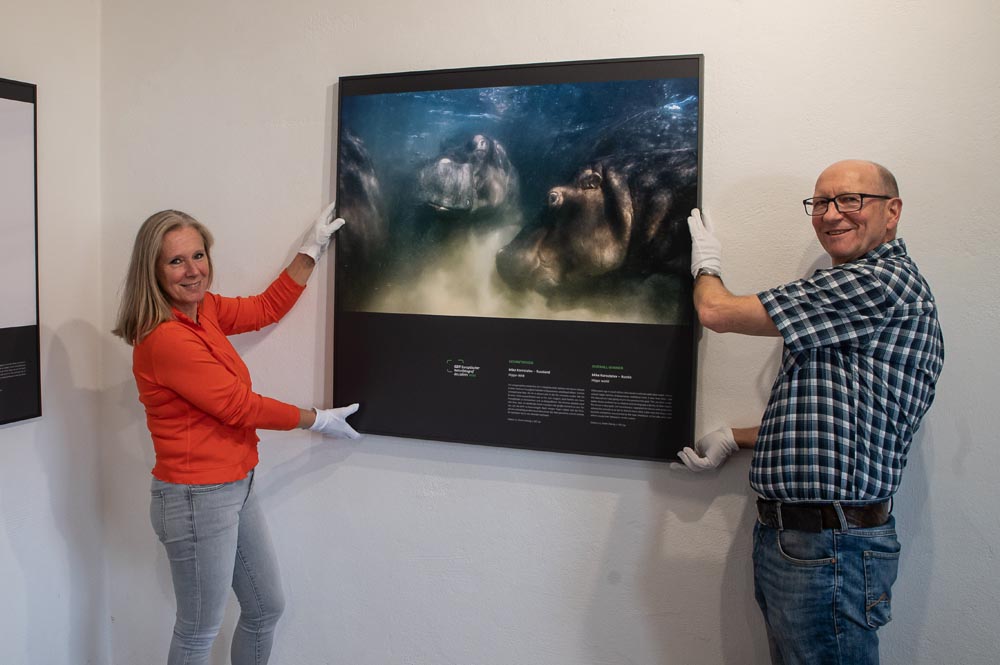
<point x="69" y="474"/>
<point x="696" y="537"/>
<point x="902" y="637"/>
<point x="137" y="561"/>
<point x="139" y="568"/>
<point x="315" y="464"/>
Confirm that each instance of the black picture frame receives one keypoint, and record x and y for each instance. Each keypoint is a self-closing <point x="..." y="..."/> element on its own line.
<point x="20" y="366"/>
<point x="515" y="268"/>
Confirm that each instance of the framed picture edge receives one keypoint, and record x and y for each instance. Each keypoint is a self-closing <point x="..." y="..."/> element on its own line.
<point x="500" y="76"/>
<point x="23" y="91"/>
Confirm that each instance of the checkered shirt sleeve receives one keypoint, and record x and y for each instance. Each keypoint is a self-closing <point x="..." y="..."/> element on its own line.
<point x="863" y="351"/>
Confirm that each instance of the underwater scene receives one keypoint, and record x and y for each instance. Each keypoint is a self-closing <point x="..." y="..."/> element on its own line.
<point x="558" y="201"/>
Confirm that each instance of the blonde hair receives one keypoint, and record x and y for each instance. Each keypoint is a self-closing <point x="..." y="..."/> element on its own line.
<point x="144" y="305"/>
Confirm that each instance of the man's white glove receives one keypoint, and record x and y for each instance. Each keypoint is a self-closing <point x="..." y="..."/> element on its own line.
<point x="332" y="422"/>
<point x="706" y="250"/>
<point x="711" y="450"/>
<point x="318" y="236"/>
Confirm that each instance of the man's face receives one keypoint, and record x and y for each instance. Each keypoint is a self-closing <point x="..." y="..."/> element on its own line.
<point x="850" y="235"/>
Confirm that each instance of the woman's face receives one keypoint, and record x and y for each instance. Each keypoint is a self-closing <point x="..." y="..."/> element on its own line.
<point x="183" y="269"/>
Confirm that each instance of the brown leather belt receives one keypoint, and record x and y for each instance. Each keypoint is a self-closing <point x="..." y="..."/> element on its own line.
<point x="816" y="517"/>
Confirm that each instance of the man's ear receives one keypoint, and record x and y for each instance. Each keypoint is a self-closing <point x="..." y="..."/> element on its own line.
<point x="895" y="208"/>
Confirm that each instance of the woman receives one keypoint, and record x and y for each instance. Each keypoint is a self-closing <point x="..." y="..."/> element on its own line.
<point x="203" y="415"/>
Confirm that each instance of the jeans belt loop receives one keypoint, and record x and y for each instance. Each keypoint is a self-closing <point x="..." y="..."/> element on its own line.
<point x="781" y="524"/>
<point x="844" y="526"/>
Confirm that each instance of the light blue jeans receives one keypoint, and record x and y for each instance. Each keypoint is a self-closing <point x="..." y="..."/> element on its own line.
<point x="824" y="595"/>
<point x="216" y="538"/>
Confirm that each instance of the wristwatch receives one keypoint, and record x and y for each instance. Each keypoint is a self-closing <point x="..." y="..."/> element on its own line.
<point x="708" y="271"/>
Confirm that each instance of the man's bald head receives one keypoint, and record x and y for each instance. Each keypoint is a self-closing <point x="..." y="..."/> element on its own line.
<point x="849" y="235"/>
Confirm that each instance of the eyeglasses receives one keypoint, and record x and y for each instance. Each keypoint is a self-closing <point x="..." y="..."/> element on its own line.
<point x="849" y="202"/>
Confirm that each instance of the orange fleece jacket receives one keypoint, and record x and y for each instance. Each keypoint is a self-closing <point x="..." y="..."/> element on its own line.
<point x="200" y="407"/>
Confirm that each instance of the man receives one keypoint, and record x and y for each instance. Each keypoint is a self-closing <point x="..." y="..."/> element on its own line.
<point x="862" y="353"/>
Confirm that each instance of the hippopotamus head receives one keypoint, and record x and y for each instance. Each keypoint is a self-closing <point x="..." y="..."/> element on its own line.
<point x="582" y="232"/>
<point x="446" y="186"/>
<point x="480" y="148"/>
<point x="470" y="175"/>
<point x="622" y="215"/>
<point x="360" y="202"/>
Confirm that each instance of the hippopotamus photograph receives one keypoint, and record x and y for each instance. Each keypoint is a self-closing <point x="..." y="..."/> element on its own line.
<point x="603" y="172"/>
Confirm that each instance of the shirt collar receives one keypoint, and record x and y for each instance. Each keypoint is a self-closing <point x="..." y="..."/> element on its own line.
<point x="184" y="318"/>
<point x="895" y="247"/>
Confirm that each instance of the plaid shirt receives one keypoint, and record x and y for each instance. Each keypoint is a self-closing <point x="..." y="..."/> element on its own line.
<point x="863" y="351"/>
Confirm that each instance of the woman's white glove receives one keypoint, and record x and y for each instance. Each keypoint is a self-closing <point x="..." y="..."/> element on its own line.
<point x="706" y="250"/>
<point x="318" y="236"/>
<point x="710" y="451"/>
<point x="332" y="422"/>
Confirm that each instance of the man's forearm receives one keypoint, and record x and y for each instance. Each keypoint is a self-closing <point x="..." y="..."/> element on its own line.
<point x="746" y="437"/>
<point x="721" y="311"/>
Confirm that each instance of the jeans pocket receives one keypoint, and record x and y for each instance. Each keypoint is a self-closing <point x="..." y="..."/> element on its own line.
<point x="205" y="489"/>
<point x="880" y="574"/>
<point x="806" y="549"/>
<point x="156" y="517"/>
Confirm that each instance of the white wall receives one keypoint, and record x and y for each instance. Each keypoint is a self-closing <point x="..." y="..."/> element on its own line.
<point x="411" y="552"/>
<point x="51" y="553"/>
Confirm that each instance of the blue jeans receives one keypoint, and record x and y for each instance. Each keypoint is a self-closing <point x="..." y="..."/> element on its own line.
<point x="216" y="538"/>
<point x="824" y="595"/>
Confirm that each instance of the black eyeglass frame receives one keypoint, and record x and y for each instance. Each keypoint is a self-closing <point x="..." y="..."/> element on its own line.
<point x="813" y="200"/>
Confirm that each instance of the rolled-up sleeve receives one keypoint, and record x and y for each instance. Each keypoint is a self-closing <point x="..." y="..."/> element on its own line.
<point x="831" y="308"/>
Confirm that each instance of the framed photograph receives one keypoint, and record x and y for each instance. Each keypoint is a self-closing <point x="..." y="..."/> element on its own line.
<point x="20" y="379"/>
<point x="515" y="267"/>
